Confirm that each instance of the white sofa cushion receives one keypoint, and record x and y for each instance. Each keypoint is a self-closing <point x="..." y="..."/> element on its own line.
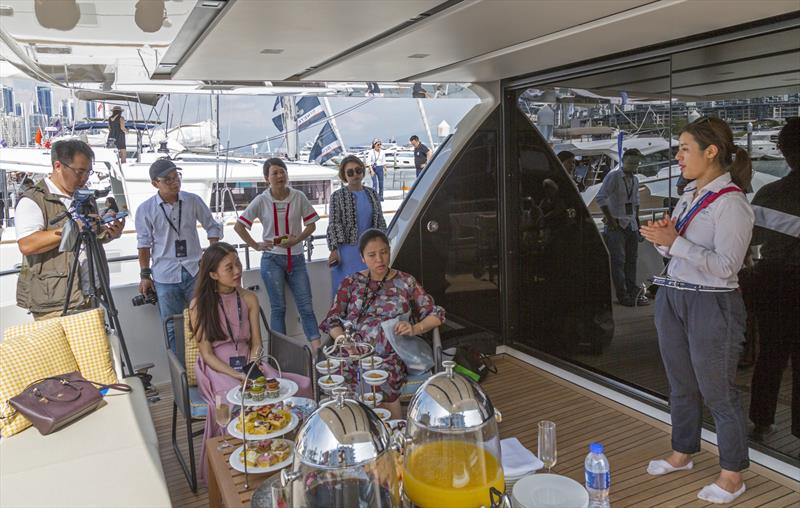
<point x="109" y="458"/>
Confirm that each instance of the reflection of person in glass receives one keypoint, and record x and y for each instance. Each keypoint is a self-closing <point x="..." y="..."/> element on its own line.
<point x="618" y="198"/>
<point x="567" y="159"/>
<point x="700" y="315"/>
<point x="380" y="293"/>
<point x="776" y="288"/>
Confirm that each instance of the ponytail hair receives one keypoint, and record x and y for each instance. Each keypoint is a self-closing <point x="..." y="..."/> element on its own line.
<point x="734" y="159"/>
<point x="742" y="169"/>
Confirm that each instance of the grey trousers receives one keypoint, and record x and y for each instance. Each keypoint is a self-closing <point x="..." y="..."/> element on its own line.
<point x="700" y="336"/>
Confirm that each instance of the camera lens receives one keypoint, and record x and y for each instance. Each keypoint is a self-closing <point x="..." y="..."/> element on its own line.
<point x="137" y="300"/>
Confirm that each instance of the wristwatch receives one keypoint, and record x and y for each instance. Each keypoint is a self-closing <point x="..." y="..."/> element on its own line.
<point x="146" y="273"/>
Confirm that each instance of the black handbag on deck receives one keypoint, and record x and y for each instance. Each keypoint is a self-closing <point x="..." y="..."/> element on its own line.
<point x="473" y="364"/>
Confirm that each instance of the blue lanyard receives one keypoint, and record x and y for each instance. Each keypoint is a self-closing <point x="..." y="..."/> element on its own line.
<point x="683" y="223"/>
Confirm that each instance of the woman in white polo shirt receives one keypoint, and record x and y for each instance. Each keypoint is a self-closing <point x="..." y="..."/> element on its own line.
<point x="287" y="218"/>
<point x="700" y="315"/>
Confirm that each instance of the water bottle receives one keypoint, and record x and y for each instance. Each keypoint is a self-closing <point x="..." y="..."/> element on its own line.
<point x="598" y="477"/>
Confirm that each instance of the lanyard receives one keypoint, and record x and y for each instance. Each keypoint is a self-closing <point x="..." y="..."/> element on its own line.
<point x="628" y="190"/>
<point x="372" y="295"/>
<point x="708" y="198"/>
<point x="238" y="315"/>
<point x="180" y="215"/>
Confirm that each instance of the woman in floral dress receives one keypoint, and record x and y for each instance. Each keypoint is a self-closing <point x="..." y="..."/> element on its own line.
<point x="377" y="294"/>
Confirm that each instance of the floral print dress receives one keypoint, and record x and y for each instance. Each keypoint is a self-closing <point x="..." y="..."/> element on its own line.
<point x="394" y="297"/>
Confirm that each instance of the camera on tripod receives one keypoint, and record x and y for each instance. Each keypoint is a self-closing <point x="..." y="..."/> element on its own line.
<point x="84" y="204"/>
<point x="150" y="298"/>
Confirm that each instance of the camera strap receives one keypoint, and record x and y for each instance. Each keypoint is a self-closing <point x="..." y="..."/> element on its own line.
<point x="180" y="216"/>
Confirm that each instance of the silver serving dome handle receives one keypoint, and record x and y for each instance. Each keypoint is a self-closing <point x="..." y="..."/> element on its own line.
<point x="288" y="477"/>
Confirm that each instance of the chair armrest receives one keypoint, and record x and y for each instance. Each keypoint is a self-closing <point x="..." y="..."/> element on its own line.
<point x="437" y="350"/>
<point x="180" y="384"/>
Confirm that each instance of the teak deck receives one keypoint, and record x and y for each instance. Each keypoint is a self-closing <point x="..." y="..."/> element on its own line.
<point x="525" y="394"/>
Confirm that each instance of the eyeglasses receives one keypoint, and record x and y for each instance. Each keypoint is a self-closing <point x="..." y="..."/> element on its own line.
<point x="169" y="180"/>
<point x="354" y="171"/>
<point x="81" y="173"/>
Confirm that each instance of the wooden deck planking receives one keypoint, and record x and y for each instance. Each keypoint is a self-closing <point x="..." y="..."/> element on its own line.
<point x="526" y="395"/>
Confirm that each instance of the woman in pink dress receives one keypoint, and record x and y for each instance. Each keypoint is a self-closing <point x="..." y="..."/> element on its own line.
<point x="224" y="318"/>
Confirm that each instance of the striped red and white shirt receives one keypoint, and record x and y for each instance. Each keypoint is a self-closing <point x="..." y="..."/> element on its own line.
<point x="280" y="217"/>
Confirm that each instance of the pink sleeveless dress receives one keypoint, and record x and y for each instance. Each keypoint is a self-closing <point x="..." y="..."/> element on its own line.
<point x="212" y="383"/>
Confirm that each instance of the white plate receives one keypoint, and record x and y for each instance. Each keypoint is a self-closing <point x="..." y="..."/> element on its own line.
<point x="377" y="381"/>
<point x="322" y="367"/>
<point x="237" y="464"/>
<point x="367" y="363"/>
<point x="287" y="389"/>
<point x="234" y="432"/>
<point x="384" y="414"/>
<point x="302" y="404"/>
<point x="336" y="378"/>
<point x="550" y="491"/>
<point x="369" y="402"/>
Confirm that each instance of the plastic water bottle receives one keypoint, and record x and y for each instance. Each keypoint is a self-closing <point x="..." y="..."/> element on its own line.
<point x="598" y="477"/>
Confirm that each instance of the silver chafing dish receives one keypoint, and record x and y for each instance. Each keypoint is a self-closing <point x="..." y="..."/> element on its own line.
<point x="342" y="459"/>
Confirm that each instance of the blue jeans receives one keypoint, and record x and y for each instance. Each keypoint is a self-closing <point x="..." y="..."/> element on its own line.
<point x="377" y="181"/>
<point x="274" y="271"/>
<point x="172" y="299"/>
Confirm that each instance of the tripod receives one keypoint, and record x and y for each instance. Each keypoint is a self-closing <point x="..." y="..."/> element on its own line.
<point x="98" y="296"/>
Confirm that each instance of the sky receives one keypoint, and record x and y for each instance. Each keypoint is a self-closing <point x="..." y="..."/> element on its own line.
<point x="245" y="119"/>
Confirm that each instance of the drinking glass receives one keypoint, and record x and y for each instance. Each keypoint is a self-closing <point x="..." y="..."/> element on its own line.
<point x="222" y="415"/>
<point x="547" y="444"/>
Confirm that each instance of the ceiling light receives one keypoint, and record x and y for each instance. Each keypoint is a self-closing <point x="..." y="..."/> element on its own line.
<point x="167" y="66"/>
<point x="6" y="10"/>
<point x="271" y="51"/>
<point x="419" y="55"/>
<point x="212" y="4"/>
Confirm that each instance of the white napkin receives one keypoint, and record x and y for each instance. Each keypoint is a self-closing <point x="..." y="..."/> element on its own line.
<point x="517" y="460"/>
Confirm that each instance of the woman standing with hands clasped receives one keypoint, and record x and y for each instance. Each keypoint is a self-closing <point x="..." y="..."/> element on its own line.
<point x="287" y="219"/>
<point x="700" y="315"/>
<point x="354" y="209"/>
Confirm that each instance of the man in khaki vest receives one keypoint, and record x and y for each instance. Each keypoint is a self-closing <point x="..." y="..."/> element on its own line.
<point x="42" y="283"/>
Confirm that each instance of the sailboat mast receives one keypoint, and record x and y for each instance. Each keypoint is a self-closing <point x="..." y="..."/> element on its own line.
<point x="290" y="126"/>
<point x="425" y="121"/>
<point x="328" y="111"/>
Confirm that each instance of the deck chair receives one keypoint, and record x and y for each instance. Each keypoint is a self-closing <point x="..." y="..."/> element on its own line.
<point x="414" y="381"/>
<point x="187" y="400"/>
<point x="293" y="354"/>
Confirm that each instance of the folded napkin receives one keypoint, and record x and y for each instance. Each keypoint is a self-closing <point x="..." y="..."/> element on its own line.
<point x="517" y="460"/>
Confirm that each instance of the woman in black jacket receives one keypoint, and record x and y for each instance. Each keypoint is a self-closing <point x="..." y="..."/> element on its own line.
<point x="354" y="209"/>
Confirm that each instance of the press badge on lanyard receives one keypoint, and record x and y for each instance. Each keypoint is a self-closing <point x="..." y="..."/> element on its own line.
<point x="181" y="249"/>
<point x="629" y="192"/>
<point x="237" y="362"/>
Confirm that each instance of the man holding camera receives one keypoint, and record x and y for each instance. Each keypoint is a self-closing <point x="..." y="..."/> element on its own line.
<point x="166" y="229"/>
<point x="42" y="283"/>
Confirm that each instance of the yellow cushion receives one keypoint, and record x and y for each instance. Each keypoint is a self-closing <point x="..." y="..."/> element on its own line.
<point x="29" y="357"/>
<point x="190" y="349"/>
<point x="86" y="335"/>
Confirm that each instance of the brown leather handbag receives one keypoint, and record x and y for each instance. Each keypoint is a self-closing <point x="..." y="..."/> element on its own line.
<point x="54" y="402"/>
